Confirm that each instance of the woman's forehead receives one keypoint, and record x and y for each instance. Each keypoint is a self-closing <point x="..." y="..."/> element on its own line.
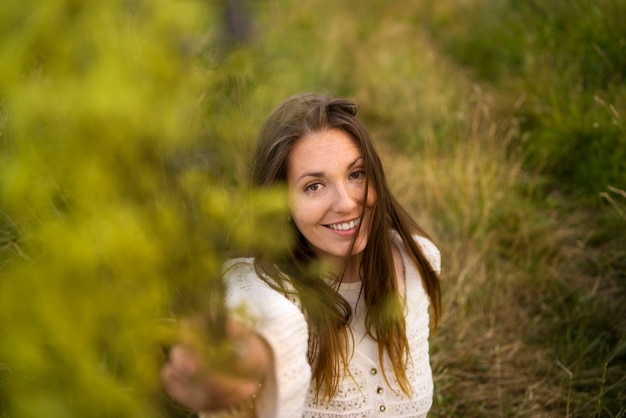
<point x="323" y="149"/>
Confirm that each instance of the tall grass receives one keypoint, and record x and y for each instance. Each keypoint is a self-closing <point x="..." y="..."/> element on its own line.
<point x="561" y="65"/>
<point x="565" y="62"/>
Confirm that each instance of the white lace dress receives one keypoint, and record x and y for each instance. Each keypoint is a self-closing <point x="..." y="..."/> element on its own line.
<point x="364" y="393"/>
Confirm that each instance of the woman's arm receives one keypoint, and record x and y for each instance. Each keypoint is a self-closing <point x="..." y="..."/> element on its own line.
<point x="275" y="354"/>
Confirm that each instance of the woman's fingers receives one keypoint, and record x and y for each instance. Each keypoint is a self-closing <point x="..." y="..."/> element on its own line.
<point x="200" y="389"/>
<point x="180" y="382"/>
<point x="184" y="360"/>
<point x="252" y="355"/>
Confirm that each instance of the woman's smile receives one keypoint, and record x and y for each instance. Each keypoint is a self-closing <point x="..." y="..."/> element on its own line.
<point x="346" y="227"/>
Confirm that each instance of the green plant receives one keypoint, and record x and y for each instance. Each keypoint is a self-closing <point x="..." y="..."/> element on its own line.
<point x="114" y="216"/>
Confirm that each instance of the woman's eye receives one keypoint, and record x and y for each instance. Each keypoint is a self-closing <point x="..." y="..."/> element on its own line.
<point x="357" y="175"/>
<point x="312" y="187"/>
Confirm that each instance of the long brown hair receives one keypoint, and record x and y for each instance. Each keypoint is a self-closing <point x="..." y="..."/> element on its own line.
<point x="328" y="314"/>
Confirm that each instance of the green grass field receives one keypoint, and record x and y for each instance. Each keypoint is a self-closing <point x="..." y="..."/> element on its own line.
<point x="501" y="125"/>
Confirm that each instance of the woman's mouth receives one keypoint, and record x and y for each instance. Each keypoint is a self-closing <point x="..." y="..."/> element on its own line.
<point x="345" y="226"/>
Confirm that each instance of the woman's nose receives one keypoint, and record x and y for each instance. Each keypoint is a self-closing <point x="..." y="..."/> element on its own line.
<point x="345" y="199"/>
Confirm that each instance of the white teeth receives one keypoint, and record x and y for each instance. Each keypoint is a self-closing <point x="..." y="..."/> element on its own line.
<point x="345" y="226"/>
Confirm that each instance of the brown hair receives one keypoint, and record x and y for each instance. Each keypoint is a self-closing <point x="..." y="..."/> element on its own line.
<point x="328" y="314"/>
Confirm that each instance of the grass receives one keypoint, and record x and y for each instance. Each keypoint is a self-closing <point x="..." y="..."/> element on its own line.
<point x="565" y="61"/>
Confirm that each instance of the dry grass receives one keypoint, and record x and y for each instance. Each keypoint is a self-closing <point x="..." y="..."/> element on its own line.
<point x="483" y="366"/>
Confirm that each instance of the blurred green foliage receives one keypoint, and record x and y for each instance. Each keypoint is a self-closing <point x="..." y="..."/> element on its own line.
<point x="117" y="206"/>
<point x="564" y="64"/>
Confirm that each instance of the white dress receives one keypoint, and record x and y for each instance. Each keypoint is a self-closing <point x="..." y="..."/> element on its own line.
<point x="289" y="393"/>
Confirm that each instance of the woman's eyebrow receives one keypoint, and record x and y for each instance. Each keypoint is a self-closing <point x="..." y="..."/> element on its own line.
<point x="353" y="163"/>
<point x="321" y="173"/>
<point x="316" y="174"/>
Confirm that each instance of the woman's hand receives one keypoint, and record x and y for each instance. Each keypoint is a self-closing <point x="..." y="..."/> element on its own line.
<point x="203" y="387"/>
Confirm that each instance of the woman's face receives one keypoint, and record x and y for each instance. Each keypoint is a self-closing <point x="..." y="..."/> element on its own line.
<point x="326" y="181"/>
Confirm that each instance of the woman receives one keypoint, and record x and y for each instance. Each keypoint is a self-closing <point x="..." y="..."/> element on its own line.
<point x="341" y="323"/>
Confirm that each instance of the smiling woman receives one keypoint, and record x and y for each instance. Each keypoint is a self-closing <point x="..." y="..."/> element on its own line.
<point x="350" y="338"/>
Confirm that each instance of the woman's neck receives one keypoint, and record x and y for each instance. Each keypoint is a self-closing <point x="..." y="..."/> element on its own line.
<point x="345" y="269"/>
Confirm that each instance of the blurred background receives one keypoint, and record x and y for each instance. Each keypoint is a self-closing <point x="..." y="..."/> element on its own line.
<point x="125" y="134"/>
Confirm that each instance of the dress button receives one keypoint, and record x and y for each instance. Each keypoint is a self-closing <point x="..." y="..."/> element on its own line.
<point x="379" y="390"/>
<point x="383" y="408"/>
<point x="373" y="371"/>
